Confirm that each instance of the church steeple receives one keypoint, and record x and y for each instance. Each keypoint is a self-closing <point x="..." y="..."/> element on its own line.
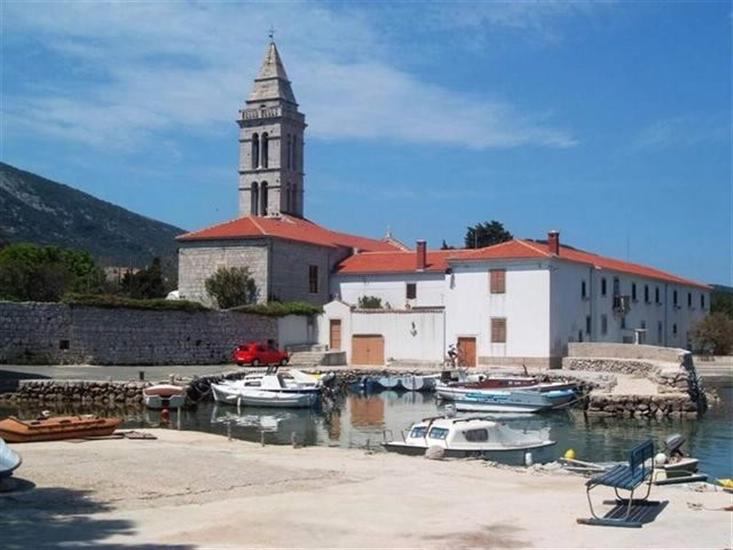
<point x="271" y="144"/>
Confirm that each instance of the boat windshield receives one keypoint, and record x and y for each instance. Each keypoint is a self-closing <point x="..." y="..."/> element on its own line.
<point x="418" y="431"/>
<point x="438" y="433"/>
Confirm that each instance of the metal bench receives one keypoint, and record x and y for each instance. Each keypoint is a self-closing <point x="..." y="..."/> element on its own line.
<point x="627" y="477"/>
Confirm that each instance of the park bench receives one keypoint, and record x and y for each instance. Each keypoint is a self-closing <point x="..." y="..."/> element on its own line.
<point x="626" y="477"/>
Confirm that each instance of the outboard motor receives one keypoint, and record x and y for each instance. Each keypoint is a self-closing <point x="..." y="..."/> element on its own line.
<point x="673" y="445"/>
<point x="450" y="410"/>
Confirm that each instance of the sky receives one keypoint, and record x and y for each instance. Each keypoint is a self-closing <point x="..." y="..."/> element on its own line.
<point x="607" y="121"/>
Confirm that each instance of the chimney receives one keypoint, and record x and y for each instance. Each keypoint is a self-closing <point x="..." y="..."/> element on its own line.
<point x="553" y="242"/>
<point x="422" y="255"/>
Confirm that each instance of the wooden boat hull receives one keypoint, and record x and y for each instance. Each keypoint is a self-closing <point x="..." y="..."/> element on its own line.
<point x="14" y="430"/>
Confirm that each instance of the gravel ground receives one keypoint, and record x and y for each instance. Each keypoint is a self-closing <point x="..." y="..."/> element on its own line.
<point x="192" y="490"/>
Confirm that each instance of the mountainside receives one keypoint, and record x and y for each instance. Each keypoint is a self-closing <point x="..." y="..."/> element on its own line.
<point x="37" y="210"/>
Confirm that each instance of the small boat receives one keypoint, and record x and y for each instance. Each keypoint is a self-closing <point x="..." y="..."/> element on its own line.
<point x="164" y="396"/>
<point x="456" y="390"/>
<point x="14" y="430"/>
<point x="9" y="460"/>
<point x="476" y="437"/>
<point x="515" y="400"/>
<point x="272" y="391"/>
<point x="388" y="382"/>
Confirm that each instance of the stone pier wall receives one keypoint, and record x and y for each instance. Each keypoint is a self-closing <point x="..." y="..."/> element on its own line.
<point x="98" y="394"/>
<point x="38" y="333"/>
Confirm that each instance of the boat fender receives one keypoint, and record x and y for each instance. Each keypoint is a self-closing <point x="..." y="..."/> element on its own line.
<point x="660" y="459"/>
<point x="570" y="454"/>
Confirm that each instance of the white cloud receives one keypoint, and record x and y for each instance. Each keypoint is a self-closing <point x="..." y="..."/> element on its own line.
<point x="683" y="131"/>
<point x="163" y="66"/>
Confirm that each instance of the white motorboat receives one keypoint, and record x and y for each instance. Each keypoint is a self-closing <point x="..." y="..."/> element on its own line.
<point x="9" y="460"/>
<point x="164" y="396"/>
<point x="518" y="400"/>
<point x="272" y="391"/>
<point x="477" y="437"/>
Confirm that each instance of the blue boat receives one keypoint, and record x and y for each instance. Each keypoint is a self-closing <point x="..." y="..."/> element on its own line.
<point x="516" y="400"/>
<point x="9" y="460"/>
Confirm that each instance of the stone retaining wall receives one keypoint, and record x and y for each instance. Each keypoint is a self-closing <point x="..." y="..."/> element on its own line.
<point x="38" y="333"/>
<point x="659" y="406"/>
<point x="98" y="394"/>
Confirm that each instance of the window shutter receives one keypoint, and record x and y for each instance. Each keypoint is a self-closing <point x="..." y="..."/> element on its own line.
<point x="497" y="281"/>
<point x="498" y="330"/>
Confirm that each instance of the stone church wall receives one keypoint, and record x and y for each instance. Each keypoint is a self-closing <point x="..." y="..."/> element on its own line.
<point x="61" y="334"/>
<point x="199" y="261"/>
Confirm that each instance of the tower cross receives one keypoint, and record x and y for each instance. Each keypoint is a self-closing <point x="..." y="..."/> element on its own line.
<point x="271" y="33"/>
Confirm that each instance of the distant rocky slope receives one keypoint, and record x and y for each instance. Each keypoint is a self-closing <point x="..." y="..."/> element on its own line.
<point x="37" y="210"/>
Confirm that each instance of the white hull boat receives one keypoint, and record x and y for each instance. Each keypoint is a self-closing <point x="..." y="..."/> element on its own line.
<point x="164" y="396"/>
<point x="9" y="460"/>
<point x="271" y="391"/>
<point x="515" y="401"/>
<point x="476" y="437"/>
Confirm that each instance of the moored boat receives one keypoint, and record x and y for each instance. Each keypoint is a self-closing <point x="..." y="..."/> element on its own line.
<point x="515" y="400"/>
<point x="474" y="437"/>
<point x="164" y="396"/>
<point x="271" y="391"/>
<point x="14" y="430"/>
<point x="9" y="460"/>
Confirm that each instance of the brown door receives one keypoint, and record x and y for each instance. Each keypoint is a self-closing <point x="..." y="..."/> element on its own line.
<point x="335" y="334"/>
<point x="467" y="351"/>
<point x="367" y="349"/>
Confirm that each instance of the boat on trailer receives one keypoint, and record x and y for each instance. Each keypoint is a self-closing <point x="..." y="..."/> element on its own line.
<point x="475" y="437"/>
<point x="14" y="430"/>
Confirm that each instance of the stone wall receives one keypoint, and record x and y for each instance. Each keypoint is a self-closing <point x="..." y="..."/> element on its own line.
<point x="61" y="334"/>
<point x="625" y="351"/>
<point x="105" y="394"/>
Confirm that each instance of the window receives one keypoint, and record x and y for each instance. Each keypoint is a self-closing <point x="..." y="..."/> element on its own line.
<point x="702" y="301"/>
<point x="265" y="150"/>
<point x="498" y="330"/>
<point x="674" y="329"/>
<point x="313" y="279"/>
<point x="477" y="435"/>
<point x="623" y="322"/>
<point x="288" y="151"/>
<point x="411" y="291"/>
<point x="674" y="298"/>
<point x="633" y="291"/>
<point x="643" y="325"/>
<point x="255" y="151"/>
<point x="660" y="330"/>
<point x="604" y="324"/>
<point x="438" y="433"/>
<point x="646" y="293"/>
<point x="616" y="286"/>
<point x="263" y="198"/>
<point x="254" y="198"/>
<point x="418" y="431"/>
<point x="656" y="296"/>
<point x="580" y="336"/>
<point x="498" y="281"/>
<point x="689" y="299"/>
<point x="583" y="290"/>
<point x="295" y="152"/>
<point x="587" y="324"/>
<point x="603" y="286"/>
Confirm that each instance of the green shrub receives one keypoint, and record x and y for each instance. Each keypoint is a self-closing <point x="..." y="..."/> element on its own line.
<point x="232" y="286"/>
<point x="279" y="309"/>
<point x="108" y="301"/>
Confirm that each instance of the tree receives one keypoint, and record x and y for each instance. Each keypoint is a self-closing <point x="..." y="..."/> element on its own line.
<point x="486" y="234"/>
<point x="714" y="333"/>
<point x="721" y="301"/>
<point x="231" y="287"/>
<point x="446" y="246"/>
<point x="45" y="273"/>
<point x="370" y="302"/>
<point x="146" y="283"/>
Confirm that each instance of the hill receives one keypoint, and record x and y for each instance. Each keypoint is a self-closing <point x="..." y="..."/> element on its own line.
<point x="37" y="210"/>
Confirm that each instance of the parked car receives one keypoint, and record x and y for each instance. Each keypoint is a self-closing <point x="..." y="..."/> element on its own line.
<point x="256" y="354"/>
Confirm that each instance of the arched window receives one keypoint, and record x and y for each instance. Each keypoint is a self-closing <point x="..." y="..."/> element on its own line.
<point x="255" y="151"/>
<point x="286" y="196"/>
<point x="294" y="201"/>
<point x="295" y="152"/>
<point x="265" y="152"/>
<point x="254" y="198"/>
<point x="263" y="198"/>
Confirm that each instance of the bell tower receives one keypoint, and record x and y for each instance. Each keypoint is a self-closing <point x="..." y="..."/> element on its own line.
<point x="271" y="144"/>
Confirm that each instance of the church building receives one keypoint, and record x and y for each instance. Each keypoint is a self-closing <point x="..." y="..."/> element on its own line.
<point x="289" y="256"/>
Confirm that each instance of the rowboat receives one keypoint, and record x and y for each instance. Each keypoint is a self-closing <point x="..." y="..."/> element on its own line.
<point x="477" y="437"/>
<point x="515" y="400"/>
<point x="9" y="460"/>
<point x="164" y="396"/>
<point x="14" y="430"/>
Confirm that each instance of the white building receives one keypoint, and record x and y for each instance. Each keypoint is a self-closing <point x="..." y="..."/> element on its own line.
<point x="517" y="302"/>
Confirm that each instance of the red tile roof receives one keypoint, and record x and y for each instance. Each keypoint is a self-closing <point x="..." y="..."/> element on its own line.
<point x="288" y="228"/>
<point x="439" y="260"/>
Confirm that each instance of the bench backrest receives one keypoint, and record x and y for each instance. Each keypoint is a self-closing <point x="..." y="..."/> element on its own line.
<point x="640" y="453"/>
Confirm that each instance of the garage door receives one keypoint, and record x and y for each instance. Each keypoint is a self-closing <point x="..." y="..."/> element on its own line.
<point x="367" y="349"/>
